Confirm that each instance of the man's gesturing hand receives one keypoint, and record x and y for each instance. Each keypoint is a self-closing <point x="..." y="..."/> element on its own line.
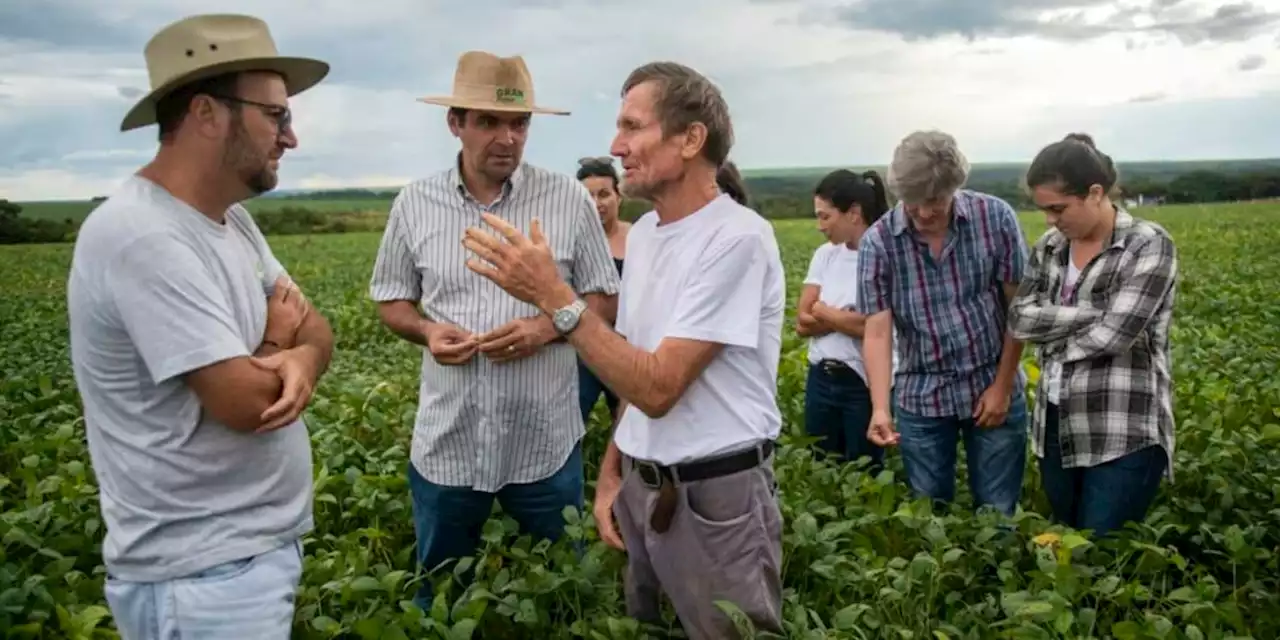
<point x="523" y="267"/>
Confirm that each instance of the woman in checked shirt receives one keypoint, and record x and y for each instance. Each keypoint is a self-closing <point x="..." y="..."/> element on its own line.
<point x="1097" y="301"/>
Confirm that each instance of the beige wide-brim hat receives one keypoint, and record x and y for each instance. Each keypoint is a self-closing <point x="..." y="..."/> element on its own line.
<point x="203" y="46"/>
<point x="486" y="82"/>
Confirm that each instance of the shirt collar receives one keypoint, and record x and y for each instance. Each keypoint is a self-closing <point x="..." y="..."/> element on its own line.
<point x="512" y="184"/>
<point x="1120" y="235"/>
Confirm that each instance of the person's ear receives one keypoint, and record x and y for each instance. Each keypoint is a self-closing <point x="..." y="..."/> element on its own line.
<point x="694" y="138"/>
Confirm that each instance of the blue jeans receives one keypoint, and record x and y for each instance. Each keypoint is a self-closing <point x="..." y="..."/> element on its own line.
<point x="837" y="408"/>
<point x="589" y="389"/>
<point x="1103" y="497"/>
<point x="247" y="598"/>
<point x="448" y="520"/>
<point x="997" y="456"/>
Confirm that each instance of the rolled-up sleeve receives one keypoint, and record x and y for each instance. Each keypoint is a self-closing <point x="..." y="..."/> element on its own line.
<point x="874" y="279"/>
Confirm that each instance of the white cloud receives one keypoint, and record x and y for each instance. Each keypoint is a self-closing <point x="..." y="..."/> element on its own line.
<point x="804" y="88"/>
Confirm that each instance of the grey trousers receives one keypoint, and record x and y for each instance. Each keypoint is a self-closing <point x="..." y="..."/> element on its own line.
<point x="724" y="543"/>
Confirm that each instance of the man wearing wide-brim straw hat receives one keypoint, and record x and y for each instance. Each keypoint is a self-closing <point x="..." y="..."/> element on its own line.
<point x="194" y="352"/>
<point x="498" y="413"/>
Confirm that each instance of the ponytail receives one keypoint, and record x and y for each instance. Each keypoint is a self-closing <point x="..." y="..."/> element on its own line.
<point x="880" y="198"/>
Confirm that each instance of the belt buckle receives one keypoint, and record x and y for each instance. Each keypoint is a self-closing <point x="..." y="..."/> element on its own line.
<point x="650" y="476"/>
<point x="831" y="366"/>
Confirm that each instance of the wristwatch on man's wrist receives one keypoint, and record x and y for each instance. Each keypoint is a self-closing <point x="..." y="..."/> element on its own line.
<point x="566" y="318"/>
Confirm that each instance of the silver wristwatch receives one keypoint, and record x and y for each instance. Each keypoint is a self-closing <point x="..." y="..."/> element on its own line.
<point x="566" y="318"/>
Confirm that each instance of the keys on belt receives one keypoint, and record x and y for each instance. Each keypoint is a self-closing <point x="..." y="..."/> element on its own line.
<point x="663" y="478"/>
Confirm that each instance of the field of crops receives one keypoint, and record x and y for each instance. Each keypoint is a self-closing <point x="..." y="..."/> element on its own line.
<point x="861" y="559"/>
<point x="76" y="210"/>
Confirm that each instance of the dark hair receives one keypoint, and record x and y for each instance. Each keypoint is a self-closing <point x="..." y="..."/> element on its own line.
<point x="172" y="107"/>
<point x="844" y="188"/>
<point x="1073" y="164"/>
<point x="598" y="167"/>
<point x="730" y="181"/>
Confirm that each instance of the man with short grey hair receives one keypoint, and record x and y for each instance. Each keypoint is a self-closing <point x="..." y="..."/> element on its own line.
<point x="497" y="411"/>
<point x="942" y="268"/>
<point x="689" y="472"/>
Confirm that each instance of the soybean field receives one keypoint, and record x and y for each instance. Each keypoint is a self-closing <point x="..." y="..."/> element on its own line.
<point x="862" y="559"/>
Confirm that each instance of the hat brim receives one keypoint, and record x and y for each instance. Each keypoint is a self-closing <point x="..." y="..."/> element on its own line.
<point x="484" y="105"/>
<point x="299" y="74"/>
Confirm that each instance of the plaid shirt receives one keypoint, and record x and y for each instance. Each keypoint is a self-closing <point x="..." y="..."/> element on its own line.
<point x="1111" y="338"/>
<point x="949" y="312"/>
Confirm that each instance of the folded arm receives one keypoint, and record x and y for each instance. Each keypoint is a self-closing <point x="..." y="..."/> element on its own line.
<point x="845" y="321"/>
<point x="1147" y="278"/>
<point x="180" y="322"/>
<point x="808" y="326"/>
<point x="1033" y="319"/>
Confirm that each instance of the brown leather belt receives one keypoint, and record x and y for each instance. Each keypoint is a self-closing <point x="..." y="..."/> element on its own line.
<point x="663" y="478"/>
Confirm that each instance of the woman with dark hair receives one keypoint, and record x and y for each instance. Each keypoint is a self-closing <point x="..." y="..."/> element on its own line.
<point x="730" y="181"/>
<point x="601" y="180"/>
<point x="1097" y="301"/>
<point x="837" y="403"/>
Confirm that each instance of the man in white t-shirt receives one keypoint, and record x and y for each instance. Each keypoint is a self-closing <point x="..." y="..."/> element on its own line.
<point x="689" y="475"/>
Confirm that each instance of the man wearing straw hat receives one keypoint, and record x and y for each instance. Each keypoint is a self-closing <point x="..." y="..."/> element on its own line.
<point x="194" y="353"/>
<point x="498" y="412"/>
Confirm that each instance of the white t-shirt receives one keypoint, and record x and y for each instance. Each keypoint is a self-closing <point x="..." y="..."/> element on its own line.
<point x="717" y="276"/>
<point x="1053" y="369"/>
<point x="834" y="269"/>
<point x="157" y="290"/>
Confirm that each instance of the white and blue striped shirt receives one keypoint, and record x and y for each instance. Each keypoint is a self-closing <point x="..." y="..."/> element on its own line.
<point x="481" y="424"/>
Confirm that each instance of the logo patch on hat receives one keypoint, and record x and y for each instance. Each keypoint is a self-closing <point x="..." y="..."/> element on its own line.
<point x="509" y="95"/>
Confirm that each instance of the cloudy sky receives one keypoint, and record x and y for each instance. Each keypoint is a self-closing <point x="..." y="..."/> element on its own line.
<point x="809" y="82"/>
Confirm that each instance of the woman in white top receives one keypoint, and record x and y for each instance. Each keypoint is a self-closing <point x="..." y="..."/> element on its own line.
<point x="837" y="404"/>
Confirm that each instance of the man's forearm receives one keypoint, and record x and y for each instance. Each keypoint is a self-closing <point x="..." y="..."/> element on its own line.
<point x="1010" y="355"/>
<point x="611" y="464"/>
<point x="316" y="336"/>
<point x="630" y="372"/>
<point x="877" y="351"/>
<point x="404" y="320"/>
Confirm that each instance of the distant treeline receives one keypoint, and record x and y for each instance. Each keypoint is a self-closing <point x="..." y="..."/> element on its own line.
<point x="791" y="197"/>
<point x="777" y="197"/>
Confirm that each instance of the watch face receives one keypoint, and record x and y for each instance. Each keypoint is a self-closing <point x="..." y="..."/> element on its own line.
<point x="563" y="319"/>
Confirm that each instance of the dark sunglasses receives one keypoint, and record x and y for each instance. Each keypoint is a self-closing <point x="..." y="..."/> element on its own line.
<point x="282" y="115"/>
<point x="597" y="161"/>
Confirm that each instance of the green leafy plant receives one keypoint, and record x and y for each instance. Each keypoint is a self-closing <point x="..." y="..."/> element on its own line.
<point x="862" y="559"/>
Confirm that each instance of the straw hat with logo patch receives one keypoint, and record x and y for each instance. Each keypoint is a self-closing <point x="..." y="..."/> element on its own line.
<point x="486" y="82"/>
<point x="203" y="46"/>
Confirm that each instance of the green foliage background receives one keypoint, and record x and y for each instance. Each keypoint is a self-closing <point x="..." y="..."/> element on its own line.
<point x="862" y="560"/>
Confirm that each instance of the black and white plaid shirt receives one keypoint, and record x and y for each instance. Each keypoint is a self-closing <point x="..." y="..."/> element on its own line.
<point x="1111" y="338"/>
